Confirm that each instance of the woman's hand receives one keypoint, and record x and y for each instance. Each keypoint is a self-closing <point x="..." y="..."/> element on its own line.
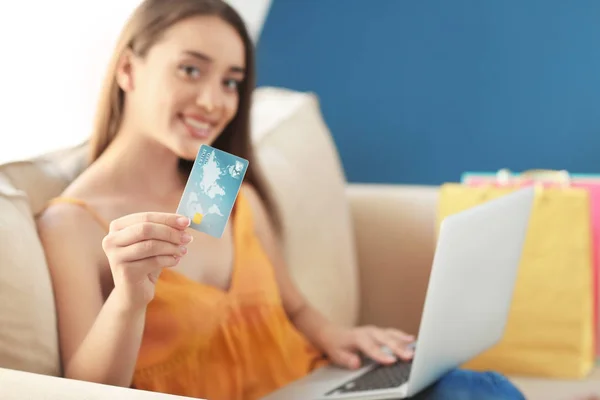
<point x="138" y="247"/>
<point x="343" y="346"/>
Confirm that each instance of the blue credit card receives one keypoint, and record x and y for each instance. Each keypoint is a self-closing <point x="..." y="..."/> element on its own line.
<point x="212" y="189"/>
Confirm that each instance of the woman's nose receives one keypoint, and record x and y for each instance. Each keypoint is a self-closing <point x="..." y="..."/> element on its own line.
<point x="209" y="97"/>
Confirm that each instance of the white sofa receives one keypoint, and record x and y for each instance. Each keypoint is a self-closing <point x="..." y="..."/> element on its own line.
<point x="371" y="246"/>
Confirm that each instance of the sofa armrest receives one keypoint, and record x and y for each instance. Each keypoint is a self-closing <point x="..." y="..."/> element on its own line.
<point x="395" y="237"/>
<point x="26" y="385"/>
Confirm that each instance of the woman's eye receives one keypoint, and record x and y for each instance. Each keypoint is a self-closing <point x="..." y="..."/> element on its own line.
<point x="232" y="84"/>
<point x="190" y="71"/>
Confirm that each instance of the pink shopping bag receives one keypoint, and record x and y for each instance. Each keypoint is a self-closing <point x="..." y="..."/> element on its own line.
<point x="556" y="178"/>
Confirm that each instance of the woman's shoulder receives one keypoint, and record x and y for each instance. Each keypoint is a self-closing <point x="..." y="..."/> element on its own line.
<point x="69" y="221"/>
<point x="71" y="229"/>
<point x="71" y="238"/>
<point x="70" y="235"/>
<point x="254" y="201"/>
<point x="261" y="219"/>
<point x="250" y="192"/>
<point x="73" y="210"/>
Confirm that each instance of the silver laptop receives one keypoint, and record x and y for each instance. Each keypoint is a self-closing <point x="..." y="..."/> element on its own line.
<point x="468" y="300"/>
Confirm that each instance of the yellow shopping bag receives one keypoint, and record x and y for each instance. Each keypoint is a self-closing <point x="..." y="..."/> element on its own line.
<point x="549" y="332"/>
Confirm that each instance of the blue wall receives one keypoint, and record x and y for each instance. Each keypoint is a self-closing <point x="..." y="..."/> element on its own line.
<point x="418" y="91"/>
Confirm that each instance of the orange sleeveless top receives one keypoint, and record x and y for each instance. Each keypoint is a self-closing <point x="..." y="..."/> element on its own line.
<point x="201" y="341"/>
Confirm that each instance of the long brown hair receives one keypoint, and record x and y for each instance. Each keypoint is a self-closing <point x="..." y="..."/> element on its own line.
<point x="143" y="29"/>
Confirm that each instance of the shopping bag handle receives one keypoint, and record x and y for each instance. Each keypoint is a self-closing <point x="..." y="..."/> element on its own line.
<point x="536" y="175"/>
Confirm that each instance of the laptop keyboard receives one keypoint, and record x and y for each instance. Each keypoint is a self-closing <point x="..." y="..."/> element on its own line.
<point x="380" y="377"/>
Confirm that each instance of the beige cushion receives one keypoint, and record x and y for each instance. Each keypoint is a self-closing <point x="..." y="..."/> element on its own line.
<point x="28" y="336"/>
<point x="302" y="167"/>
<point x="301" y="163"/>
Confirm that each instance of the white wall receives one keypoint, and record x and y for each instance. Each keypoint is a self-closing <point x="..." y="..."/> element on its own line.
<point x="52" y="64"/>
<point x="254" y="13"/>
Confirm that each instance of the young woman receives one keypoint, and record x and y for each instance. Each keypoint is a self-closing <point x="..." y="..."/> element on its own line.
<point x="143" y="301"/>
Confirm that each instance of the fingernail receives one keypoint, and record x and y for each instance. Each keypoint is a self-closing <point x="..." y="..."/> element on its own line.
<point x="183" y="249"/>
<point x="186" y="237"/>
<point x="183" y="221"/>
<point x="389" y="358"/>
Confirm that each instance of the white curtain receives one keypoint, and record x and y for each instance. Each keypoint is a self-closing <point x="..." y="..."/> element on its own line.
<point x="54" y="55"/>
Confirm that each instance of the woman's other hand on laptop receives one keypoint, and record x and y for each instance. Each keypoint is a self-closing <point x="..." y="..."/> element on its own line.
<point x="344" y="346"/>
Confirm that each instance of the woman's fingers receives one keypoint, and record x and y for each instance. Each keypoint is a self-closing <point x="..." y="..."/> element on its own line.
<point x="149" y="231"/>
<point x="150" y="248"/>
<point x="173" y="220"/>
<point x="368" y="344"/>
<point x="399" y="347"/>
<point x="139" y="270"/>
